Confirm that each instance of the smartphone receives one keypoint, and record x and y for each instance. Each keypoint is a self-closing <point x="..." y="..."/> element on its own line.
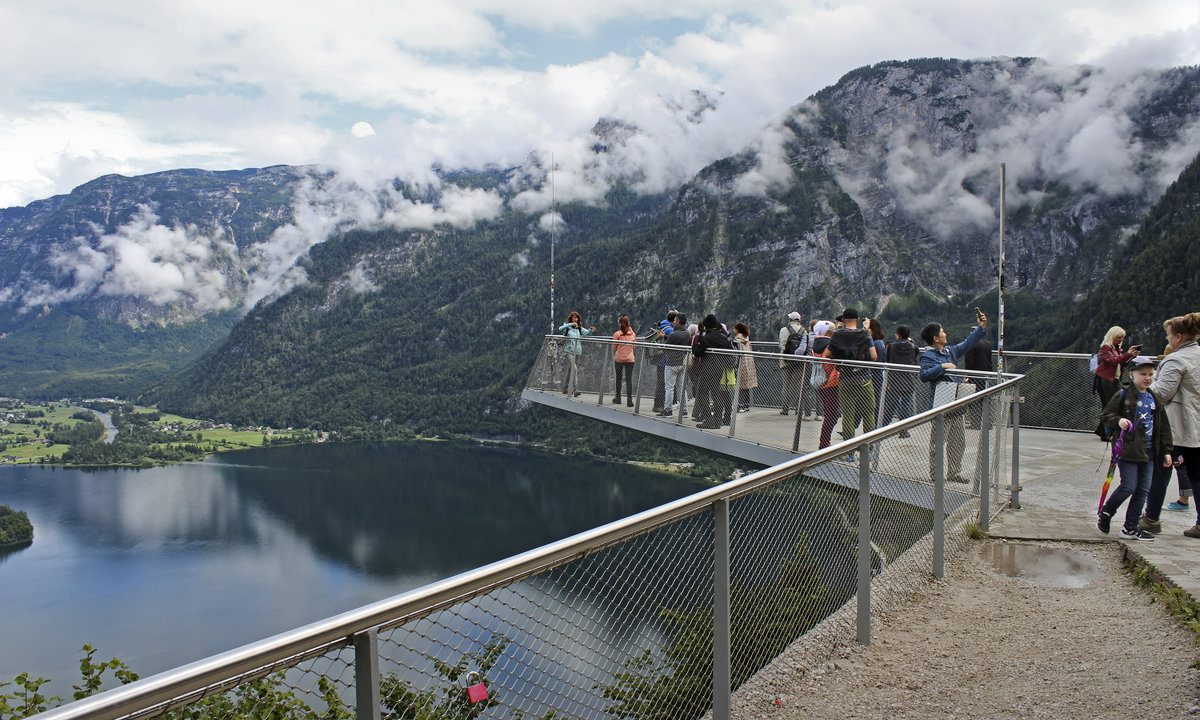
<point x="978" y="313"/>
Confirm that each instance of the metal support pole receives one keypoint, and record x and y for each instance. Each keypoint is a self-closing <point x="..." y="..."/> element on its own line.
<point x="734" y="396"/>
<point x="722" y="673"/>
<point x="604" y="377"/>
<point x="864" y="545"/>
<point x="641" y="373"/>
<point x="985" y="490"/>
<point x="882" y="399"/>
<point x="1014" y="500"/>
<point x="366" y="675"/>
<point x="938" y="439"/>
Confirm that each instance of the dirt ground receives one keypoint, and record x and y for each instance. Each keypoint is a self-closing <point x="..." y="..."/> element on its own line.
<point x="984" y="644"/>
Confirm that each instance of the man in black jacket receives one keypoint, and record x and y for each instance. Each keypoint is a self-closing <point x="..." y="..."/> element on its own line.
<point x="713" y="404"/>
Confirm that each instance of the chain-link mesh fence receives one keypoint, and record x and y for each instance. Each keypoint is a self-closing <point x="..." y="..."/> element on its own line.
<point x="623" y="621"/>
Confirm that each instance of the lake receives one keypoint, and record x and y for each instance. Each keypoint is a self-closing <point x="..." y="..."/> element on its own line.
<point x="164" y="566"/>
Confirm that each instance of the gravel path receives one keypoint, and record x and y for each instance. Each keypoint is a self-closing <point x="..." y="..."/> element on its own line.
<point x="982" y="644"/>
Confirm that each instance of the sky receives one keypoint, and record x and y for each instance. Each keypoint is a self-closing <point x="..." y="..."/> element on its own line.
<point x="379" y="89"/>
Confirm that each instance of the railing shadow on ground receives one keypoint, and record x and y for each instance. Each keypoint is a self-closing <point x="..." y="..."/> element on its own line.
<point x="657" y="615"/>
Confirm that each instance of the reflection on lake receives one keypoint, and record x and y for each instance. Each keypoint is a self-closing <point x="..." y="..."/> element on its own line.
<point x="164" y="566"/>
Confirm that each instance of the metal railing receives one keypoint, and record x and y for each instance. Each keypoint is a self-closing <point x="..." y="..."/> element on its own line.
<point x="664" y="614"/>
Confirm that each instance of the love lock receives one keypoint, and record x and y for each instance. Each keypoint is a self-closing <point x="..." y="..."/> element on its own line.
<point x="478" y="691"/>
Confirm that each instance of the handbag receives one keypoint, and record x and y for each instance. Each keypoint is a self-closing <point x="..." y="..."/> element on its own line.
<point x="818" y="378"/>
<point x="945" y="393"/>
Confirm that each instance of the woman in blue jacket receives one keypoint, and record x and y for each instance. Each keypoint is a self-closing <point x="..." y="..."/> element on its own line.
<point x="573" y="328"/>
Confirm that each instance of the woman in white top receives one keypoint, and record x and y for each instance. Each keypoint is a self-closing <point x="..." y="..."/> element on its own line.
<point x="1177" y="384"/>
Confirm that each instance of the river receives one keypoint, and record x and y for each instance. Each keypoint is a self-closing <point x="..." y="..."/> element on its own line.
<point x="164" y="566"/>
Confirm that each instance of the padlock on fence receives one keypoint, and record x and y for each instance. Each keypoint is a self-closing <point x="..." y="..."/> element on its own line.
<point x="478" y="691"/>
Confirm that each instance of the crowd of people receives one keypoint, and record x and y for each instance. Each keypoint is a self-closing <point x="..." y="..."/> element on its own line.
<point x="1150" y="405"/>
<point x="819" y="391"/>
<point x="1153" y="421"/>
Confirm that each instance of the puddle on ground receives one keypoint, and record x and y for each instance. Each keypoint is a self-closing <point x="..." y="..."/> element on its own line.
<point x="1042" y="565"/>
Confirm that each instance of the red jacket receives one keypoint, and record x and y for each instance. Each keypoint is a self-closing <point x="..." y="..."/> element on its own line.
<point x="1111" y="358"/>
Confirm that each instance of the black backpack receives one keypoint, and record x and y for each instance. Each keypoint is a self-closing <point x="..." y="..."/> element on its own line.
<point x="793" y="342"/>
<point x="902" y="352"/>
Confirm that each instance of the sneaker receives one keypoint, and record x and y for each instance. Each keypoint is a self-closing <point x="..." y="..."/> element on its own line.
<point x="1102" y="522"/>
<point x="1136" y="534"/>
<point x="1176" y="505"/>
<point x="1193" y="532"/>
<point x="665" y="413"/>
<point x="1150" y="526"/>
<point x="850" y="458"/>
<point x="617" y="399"/>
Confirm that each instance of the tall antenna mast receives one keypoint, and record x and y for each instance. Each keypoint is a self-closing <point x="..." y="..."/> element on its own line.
<point x="1000" y="327"/>
<point x="553" y="237"/>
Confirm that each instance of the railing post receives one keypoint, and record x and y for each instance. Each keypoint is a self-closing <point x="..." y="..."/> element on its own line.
<point x="366" y="675"/>
<point x="604" y="366"/>
<point x="864" y="545"/>
<point x="722" y="673"/>
<point x="735" y="396"/>
<point x="641" y="373"/>
<point x="882" y="400"/>
<point x="985" y="488"/>
<point x="938" y="439"/>
<point x="799" y="404"/>
<point x="1014" y="500"/>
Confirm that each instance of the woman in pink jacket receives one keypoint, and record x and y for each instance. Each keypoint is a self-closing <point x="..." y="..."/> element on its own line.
<point x="623" y="359"/>
<point x="1111" y="358"/>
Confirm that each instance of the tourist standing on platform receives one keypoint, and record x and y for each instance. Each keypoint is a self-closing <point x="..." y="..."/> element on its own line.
<point x="623" y="359"/>
<point x="658" y="359"/>
<point x="902" y="386"/>
<point x="573" y="328"/>
<point x="1146" y="442"/>
<point x="935" y="361"/>
<point x="678" y="354"/>
<point x="793" y="340"/>
<point x="1178" y="386"/>
<point x="1107" y="378"/>
<point x="748" y="375"/>
<point x="713" y="403"/>
<point x="875" y="328"/>
<point x="856" y="396"/>
<point x="828" y="390"/>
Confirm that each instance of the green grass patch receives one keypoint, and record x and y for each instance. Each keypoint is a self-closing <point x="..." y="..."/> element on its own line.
<point x="1179" y="603"/>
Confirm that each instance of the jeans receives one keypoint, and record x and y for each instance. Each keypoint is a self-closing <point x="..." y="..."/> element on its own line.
<point x="829" y="401"/>
<point x="956" y="445"/>
<point x="793" y="375"/>
<point x="675" y="389"/>
<point x="1135" y="486"/>
<point x="857" y="400"/>
<point x="627" y="367"/>
<point x="1158" y="489"/>
<point x="572" y="381"/>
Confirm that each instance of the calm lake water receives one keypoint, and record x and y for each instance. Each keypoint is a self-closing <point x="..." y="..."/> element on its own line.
<point x="164" y="566"/>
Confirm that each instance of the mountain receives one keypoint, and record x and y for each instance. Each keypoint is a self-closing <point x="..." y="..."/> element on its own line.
<point x="1154" y="275"/>
<point x="423" y="305"/>
<point x="125" y="280"/>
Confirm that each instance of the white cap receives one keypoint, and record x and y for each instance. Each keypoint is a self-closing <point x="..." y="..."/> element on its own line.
<point x="793" y="315"/>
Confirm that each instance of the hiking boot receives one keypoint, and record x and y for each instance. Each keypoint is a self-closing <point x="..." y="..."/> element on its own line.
<point x="1136" y="534"/>
<point x="1176" y="505"/>
<point x="1193" y="531"/>
<point x="1103" y="520"/>
<point x="1150" y="526"/>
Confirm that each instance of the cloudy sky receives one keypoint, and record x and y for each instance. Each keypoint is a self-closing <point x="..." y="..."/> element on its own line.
<point x="382" y="88"/>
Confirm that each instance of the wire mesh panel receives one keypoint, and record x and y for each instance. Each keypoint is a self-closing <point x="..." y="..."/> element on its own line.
<point x="613" y="634"/>
<point x="1061" y="383"/>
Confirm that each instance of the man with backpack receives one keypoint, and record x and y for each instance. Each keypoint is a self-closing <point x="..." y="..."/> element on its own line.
<point x="856" y="395"/>
<point x="793" y="340"/>
<point x="902" y="386"/>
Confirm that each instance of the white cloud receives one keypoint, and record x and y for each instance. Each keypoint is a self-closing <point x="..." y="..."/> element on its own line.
<point x="221" y="84"/>
<point x="142" y="259"/>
